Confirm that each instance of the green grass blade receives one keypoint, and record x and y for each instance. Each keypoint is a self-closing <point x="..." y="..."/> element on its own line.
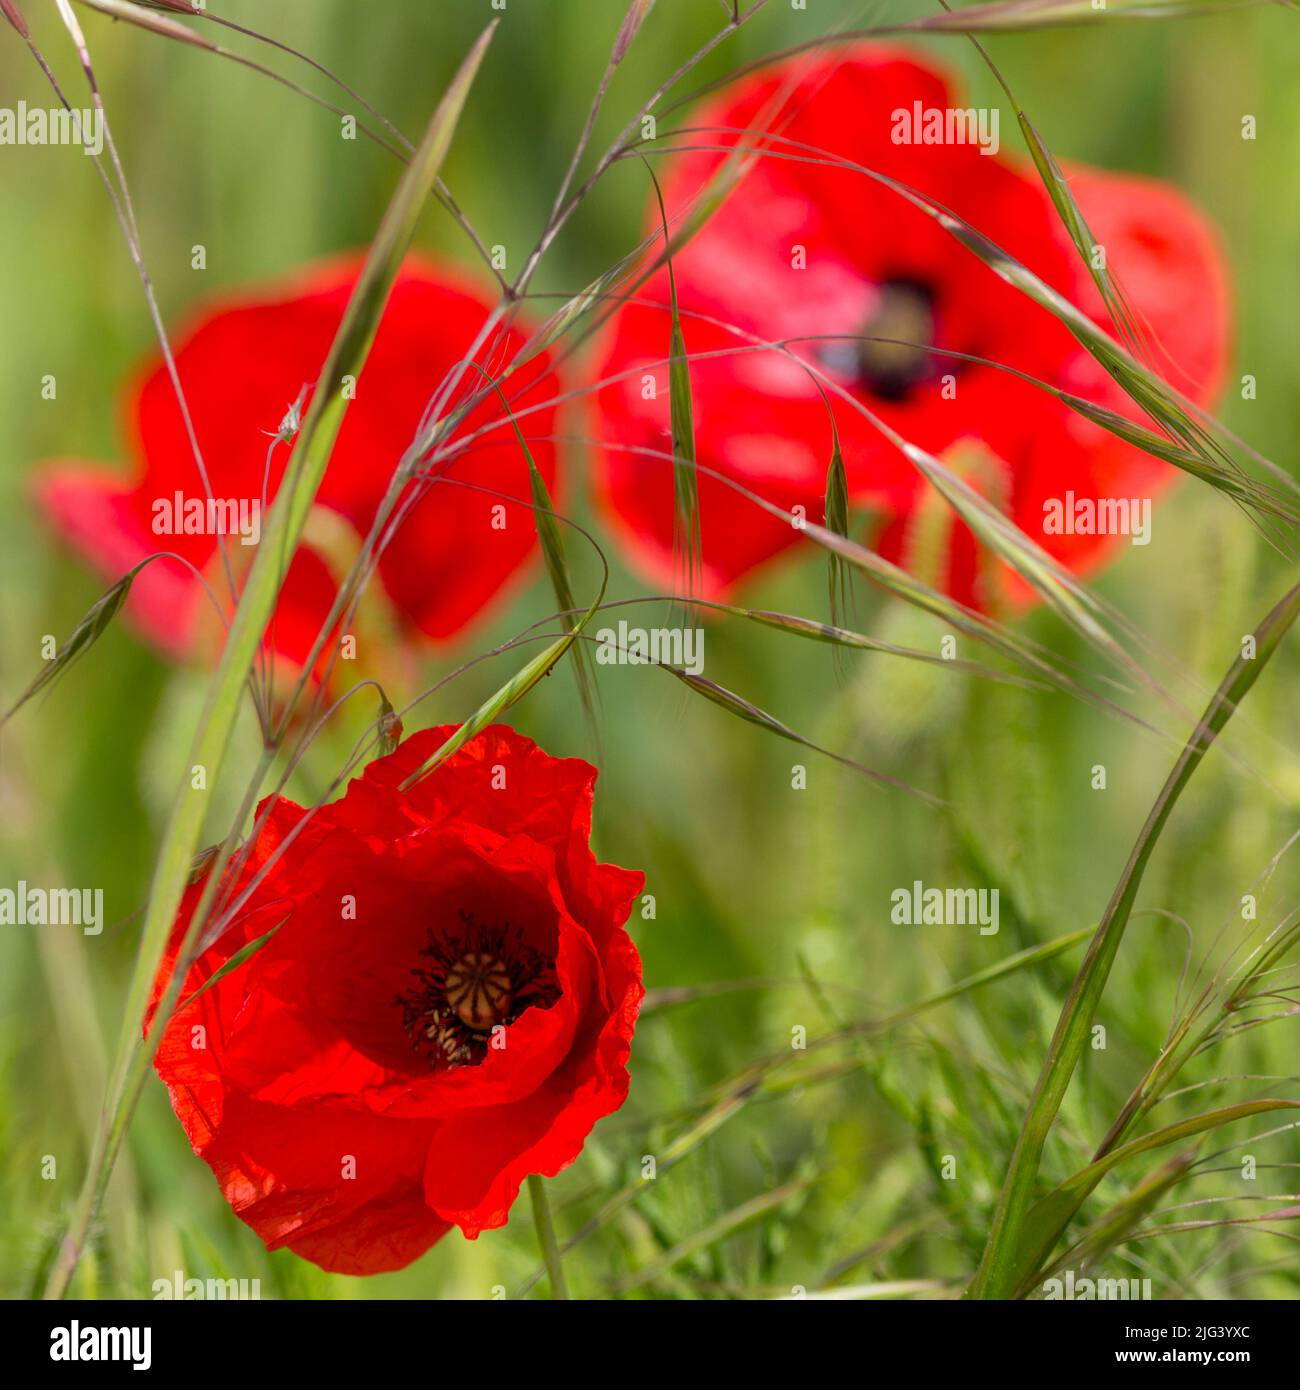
<point x="836" y="516"/>
<point x="1118" y="1222"/>
<point x="898" y="583"/>
<point x="686" y="492"/>
<point x="244" y="954"/>
<point x="497" y="703"/>
<point x="1186" y="1039"/>
<point x="1022" y="16"/>
<point x="997" y="1275"/>
<point x="557" y="565"/>
<point x="212" y="738"/>
<point x="1072" y="218"/>
<point x="88" y="631"/>
<point x="816" y="631"/>
<point x="1068" y="210"/>
<point x="751" y="713"/>
<point x="717" y="1230"/>
<point x="1049" y="1217"/>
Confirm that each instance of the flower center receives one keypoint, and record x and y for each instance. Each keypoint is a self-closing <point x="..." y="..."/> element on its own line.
<point x="892" y="356"/>
<point x="479" y="989"/>
<point x="480" y="979"/>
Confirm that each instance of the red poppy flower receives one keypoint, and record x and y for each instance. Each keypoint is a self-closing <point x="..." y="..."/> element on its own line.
<point x="243" y="363"/>
<point x="446" y="1004"/>
<point x="802" y="248"/>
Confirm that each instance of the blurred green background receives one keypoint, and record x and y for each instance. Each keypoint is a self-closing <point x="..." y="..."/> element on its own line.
<point x="748" y="873"/>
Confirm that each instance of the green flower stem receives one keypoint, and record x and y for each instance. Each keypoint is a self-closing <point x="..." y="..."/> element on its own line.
<point x="546" y="1236"/>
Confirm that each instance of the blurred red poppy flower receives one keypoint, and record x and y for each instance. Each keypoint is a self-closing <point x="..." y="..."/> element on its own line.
<point x="802" y="248"/>
<point x="243" y="363"/>
<point x="445" y="1005"/>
